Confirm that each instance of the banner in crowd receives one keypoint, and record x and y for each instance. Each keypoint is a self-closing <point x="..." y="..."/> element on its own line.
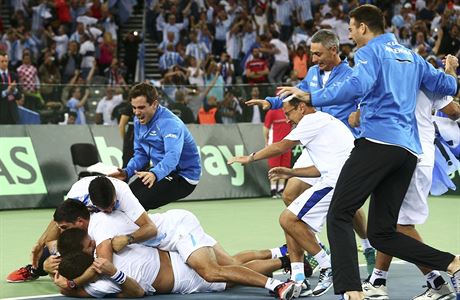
<point x="36" y="168"/>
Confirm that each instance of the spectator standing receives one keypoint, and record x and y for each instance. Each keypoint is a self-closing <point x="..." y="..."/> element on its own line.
<point x="195" y="48"/>
<point x="106" y="105"/>
<point x="170" y="59"/>
<point x="253" y="114"/>
<point x="62" y="41"/>
<point x="87" y="52"/>
<point x="77" y="104"/>
<point x="107" y="52"/>
<point x="283" y="11"/>
<point x="131" y="43"/>
<point x="222" y="25"/>
<point x="227" y="70"/>
<point x="214" y="81"/>
<point x="169" y="40"/>
<point x="260" y="19"/>
<point x="281" y="58"/>
<point x="70" y="62"/>
<point x="181" y="110"/>
<point x="300" y="61"/>
<point x="114" y="74"/>
<point x="194" y="72"/>
<point x="126" y="129"/>
<point x="28" y="77"/>
<point x="8" y="93"/>
<point x="49" y="77"/>
<point x="257" y="68"/>
<point x="230" y="109"/>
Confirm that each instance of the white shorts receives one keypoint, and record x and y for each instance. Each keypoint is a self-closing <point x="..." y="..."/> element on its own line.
<point x="312" y="205"/>
<point x="303" y="161"/>
<point x="187" y="281"/>
<point x="182" y="232"/>
<point x="414" y="209"/>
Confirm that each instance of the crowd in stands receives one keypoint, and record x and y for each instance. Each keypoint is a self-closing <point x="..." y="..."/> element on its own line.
<point x="215" y="54"/>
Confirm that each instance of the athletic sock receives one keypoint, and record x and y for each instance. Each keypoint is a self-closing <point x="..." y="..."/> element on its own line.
<point x="297" y="271"/>
<point x="285" y="262"/>
<point x="378" y="277"/>
<point x="365" y="243"/>
<point x="323" y="259"/>
<point x="279" y="252"/>
<point x="272" y="283"/>
<point x="434" y="279"/>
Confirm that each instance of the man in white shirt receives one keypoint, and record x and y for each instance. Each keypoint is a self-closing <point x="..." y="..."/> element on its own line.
<point x="179" y="232"/>
<point x="105" y="107"/>
<point x="281" y="53"/>
<point x="328" y="142"/>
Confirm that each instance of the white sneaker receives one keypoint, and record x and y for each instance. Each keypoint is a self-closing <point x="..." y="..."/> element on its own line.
<point x="445" y="292"/>
<point x="456" y="283"/>
<point x="372" y="292"/>
<point x="324" y="282"/>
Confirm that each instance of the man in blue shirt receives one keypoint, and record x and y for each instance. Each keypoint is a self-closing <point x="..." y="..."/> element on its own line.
<point x="388" y="77"/>
<point x="162" y="139"/>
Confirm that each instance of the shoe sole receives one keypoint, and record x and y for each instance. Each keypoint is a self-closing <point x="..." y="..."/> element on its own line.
<point x="447" y="297"/>
<point x="377" y="298"/>
<point x="322" y="292"/>
<point x="305" y="294"/>
<point x="15" y="281"/>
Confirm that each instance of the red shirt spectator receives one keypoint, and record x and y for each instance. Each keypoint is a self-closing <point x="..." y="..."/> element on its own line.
<point x="257" y="68"/>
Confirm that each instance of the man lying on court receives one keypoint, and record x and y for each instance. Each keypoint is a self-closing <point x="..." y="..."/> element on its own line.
<point x="195" y="261"/>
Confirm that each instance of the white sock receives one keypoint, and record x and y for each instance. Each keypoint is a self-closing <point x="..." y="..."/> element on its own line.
<point x="297" y="271"/>
<point x="276" y="252"/>
<point x="272" y="283"/>
<point x="366" y="244"/>
<point x="323" y="259"/>
<point x="273" y="186"/>
<point x="378" y="274"/>
<point x="431" y="278"/>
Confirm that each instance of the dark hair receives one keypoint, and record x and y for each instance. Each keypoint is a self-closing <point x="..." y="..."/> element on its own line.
<point x="72" y="114"/>
<point x="101" y="191"/>
<point x="70" y="240"/>
<point x="75" y="264"/>
<point x="144" y="89"/>
<point x="295" y="102"/>
<point x="70" y="210"/>
<point x="3" y="53"/>
<point x="370" y="15"/>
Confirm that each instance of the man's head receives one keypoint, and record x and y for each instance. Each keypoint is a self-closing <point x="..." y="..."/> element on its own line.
<point x="71" y="214"/>
<point x="256" y="53"/>
<point x="75" y="239"/>
<point x="366" y="22"/>
<point x="296" y="109"/>
<point x="102" y="193"/>
<point x="325" y="49"/>
<point x="72" y="118"/>
<point x="75" y="264"/>
<point x="3" y="61"/>
<point x="255" y="93"/>
<point x="144" y="101"/>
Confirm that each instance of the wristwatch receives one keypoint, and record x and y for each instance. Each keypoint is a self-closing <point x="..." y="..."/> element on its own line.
<point x="71" y="284"/>
<point x="130" y="239"/>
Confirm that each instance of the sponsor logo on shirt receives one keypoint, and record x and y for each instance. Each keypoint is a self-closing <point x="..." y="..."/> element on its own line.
<point x="171" y="135"/>
<point x="153" y="133"/>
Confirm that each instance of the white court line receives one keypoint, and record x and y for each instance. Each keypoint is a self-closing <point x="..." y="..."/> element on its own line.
<point x="34" y="297"/>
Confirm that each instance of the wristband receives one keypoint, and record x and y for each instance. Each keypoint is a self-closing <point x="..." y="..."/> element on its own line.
<point x="71" y="284"/>
<point x="251" y="156"/>
<point x="130" y="239"/>
<point x="119" y="277"/>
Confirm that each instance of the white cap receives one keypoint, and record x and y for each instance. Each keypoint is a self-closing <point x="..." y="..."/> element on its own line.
<point x="289" y="98"/>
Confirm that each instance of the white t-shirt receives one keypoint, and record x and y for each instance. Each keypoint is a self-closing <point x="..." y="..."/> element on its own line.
<point x="328" y="142"/>
<point x="137" y="261"/>
<point x="426" y="103"/>
<point x="105" y="107"/>
<point x="125" y="202"/>
<point x="283" y="55"/>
